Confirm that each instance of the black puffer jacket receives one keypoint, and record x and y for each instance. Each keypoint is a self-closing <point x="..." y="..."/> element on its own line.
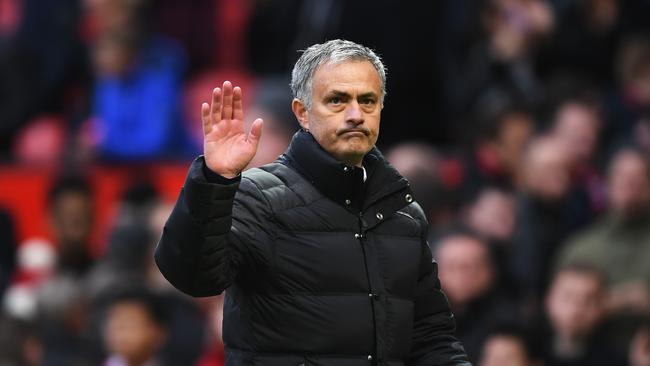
<point x="320" y="268"/>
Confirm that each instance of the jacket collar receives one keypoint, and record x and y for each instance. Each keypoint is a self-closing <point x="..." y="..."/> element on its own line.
<point x="339" y="181"/>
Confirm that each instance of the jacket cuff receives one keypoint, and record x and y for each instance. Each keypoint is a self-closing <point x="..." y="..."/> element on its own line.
<point x="212" y="177"/>
<point x="207" y="200"/>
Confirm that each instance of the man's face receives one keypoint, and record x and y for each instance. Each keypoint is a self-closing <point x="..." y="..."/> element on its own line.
<point x="575" y="304"/>
<point x="546" y="170"/>
<point x="464" y="269"/>
<point x="345" y="113"/>
<point x="504" y="350"/>
<point x="131" y="333"/>
<point x="576" y="127"/>
<point x="514" y="134"/>
<point x="629" y="187"/>
<point x="493" y="215"/>
<point x="71" y="218"/>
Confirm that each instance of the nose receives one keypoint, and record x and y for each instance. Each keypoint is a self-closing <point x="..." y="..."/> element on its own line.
<point x="353" y="113"/>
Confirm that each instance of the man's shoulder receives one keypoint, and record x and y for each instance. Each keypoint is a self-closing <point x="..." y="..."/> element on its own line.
<point x="278" y="183"/>
<point x="591" y="245"/>
<point x="415" y="210"/>
<point x="267" y="176"/>
<point x="593" y="236"/>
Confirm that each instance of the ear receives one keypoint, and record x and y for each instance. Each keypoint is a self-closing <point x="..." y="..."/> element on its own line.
<point x="301" y="112"/>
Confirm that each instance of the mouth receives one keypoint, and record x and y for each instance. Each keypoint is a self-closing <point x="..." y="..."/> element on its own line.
<point x="354" y="132"/>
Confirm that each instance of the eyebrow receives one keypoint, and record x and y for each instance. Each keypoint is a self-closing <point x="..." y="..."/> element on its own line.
<point x="368" y="95"/>
<point x="339" y="93"/>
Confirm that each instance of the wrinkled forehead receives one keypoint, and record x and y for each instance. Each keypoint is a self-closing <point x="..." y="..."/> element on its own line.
<point x="359" y="74"/>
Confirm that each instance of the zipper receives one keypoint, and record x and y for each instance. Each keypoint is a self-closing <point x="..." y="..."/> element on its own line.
<point x="371" y="293"/>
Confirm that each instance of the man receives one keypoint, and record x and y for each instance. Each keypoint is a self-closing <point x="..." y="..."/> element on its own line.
<point x="575" y="308"/>
<point x="71" y="217"/>
<point x="509" y="345"/>
<point x="619" y="242"/>
<point x="324" y="251"/>
<point x="135" y="329"/>
<point x="471" y="279"/>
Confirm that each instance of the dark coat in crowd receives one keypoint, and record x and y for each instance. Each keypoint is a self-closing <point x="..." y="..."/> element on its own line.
<point x="481" y="316"/>
<point x="320" y="267"/>
<point x="598" y="349"/>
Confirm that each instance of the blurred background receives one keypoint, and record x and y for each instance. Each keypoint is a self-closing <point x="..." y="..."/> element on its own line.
<point x="523" y="126"/>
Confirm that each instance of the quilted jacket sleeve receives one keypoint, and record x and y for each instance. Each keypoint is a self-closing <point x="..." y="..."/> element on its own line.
<point x="213" y="235"/>
<point x="433" y="343"/>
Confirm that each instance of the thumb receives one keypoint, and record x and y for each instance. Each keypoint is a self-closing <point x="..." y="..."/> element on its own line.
<point x="256" y="132"/>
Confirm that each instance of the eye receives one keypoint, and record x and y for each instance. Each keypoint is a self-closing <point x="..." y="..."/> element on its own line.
<point x="335" y="100"/>
<point x="367" y="101"/>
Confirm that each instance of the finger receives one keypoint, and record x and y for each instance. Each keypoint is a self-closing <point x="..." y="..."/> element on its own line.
<point x="215" y="110"/>
<point x="237" y="104"/>
<point x="256" y="132"/>
<point x="205" y="118"/>
<point x="226" y="109"/>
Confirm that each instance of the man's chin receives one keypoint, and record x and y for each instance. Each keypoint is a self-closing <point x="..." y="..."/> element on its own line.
<point x="355" y="153"/>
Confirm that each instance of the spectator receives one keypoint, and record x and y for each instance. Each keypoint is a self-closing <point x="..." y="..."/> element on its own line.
<point x="136" y="104"/>
<point x="128" y="263"/>
<point x="62" y="322"/>
<point x="499" y="63"/>
<point x="576" y="126"/>
<point x="587" y="33"/>
<point x="631" y="100"/>
<point x="71" y="208"/>
<point x="42" y="67"/>
<point x="575" y="306"/>
<point x="421" y="165"/>
<point x="542" y="221"/>
<point x="491" y="215"/>
<point x="135" y="329"/>
<point x="504" y="133"/>
<point x="509" y="346"/>
<point x="469" y="278"/>
<point x="279" y="122"/>
<point x="619" y="243"/>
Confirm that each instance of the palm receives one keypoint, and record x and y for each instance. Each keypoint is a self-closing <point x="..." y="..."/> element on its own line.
<point x="226" y="145"/>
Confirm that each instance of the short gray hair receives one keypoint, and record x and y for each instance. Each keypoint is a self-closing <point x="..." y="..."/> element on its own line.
<point x="333" y="52"/>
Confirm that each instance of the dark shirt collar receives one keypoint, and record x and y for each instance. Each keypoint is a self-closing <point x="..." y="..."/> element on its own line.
<point x="339" y="181"/>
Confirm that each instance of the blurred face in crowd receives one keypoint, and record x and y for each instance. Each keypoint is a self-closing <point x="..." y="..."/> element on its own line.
<point x="105" y="15"/>
<point x="131" y="333"/>
<point x="575" y="303"/>
<point x="275" y="141"/>
<point x="576" y="128"/>
<point x="71" y="215"/>
<point x="493" y="214"/>
<point x="546" y="170"/>
<point x="112" y="55"/>
<point x="414" y="158"/>
<point x="465" y="269"/>
<point x="504" y="350"/>
<point x="629" y="185"/>
<point x="514" y="24"/>
<point x="515" y="132"/>
<point x="345" y="112"/>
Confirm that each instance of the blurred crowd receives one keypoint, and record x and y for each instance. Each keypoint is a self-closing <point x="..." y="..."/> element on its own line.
<point x="522" y="125"/>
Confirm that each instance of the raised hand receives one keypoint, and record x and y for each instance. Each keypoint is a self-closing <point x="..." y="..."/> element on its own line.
<point x="226" y="146"/>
